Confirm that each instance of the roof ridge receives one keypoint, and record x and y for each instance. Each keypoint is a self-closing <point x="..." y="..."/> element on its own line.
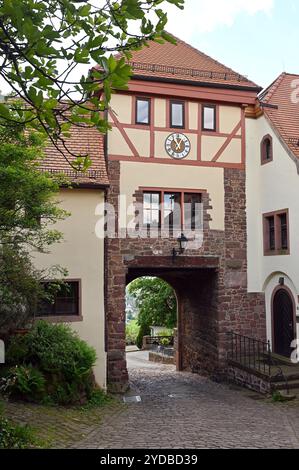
<point x="268" y="93"/>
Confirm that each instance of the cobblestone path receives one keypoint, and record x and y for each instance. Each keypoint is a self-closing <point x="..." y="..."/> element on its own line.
<point x="182" y="410"/>
<point x="177" y="410"/>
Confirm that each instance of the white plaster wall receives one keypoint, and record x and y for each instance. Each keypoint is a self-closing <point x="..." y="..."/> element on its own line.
<point x="270" y="187"/>
<point x="82" y="254"/>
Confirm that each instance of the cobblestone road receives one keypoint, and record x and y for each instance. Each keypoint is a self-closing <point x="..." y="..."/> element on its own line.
<point x="182" y="410"/>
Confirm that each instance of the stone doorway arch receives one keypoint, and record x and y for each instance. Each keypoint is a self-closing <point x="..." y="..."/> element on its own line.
<point x="195" y="283"/>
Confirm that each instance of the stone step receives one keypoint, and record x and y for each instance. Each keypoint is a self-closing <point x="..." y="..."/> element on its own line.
<point x="283" y="360"/>
<point x="283" y="386"/>
<point x="290" y="377"/>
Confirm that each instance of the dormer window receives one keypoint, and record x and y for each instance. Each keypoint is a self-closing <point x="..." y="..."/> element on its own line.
<point x="266" y="150"/>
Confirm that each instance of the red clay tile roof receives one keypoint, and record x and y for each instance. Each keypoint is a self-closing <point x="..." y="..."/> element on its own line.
<point x="83" y="141"/>
<point x="283" y="93"/>
<point x="183" y="62"/>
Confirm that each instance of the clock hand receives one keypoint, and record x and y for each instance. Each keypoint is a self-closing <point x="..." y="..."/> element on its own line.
<point x="178" y="144"/>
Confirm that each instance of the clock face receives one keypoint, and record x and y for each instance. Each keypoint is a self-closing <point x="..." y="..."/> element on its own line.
<point x="177" y="146"/>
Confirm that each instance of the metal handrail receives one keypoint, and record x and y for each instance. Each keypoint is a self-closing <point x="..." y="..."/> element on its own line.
<point x="250" y="352"/>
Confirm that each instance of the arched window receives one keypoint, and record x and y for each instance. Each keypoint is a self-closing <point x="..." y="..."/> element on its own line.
<point x="266" y="150"/>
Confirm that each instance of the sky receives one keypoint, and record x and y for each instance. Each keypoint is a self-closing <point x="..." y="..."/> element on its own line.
<point x="256" y="38"/>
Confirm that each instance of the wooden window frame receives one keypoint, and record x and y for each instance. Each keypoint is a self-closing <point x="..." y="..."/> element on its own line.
<point x="65" y="318"/>
<point x="211" y="106"/>
<point x="163" y="191"/>
<point x="278" y="251"/>
<point x="265" y="160"/>
<point x="171" y="102"/>
<point x="142" y="98"/>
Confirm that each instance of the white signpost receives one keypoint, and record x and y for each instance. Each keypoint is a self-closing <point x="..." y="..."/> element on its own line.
<point x="2" y="352"/>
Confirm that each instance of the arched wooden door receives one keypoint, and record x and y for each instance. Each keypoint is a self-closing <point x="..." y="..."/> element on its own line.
<point x="283" y="322"/>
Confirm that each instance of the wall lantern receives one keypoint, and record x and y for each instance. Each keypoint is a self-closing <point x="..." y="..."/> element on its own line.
<point x="281" y="281"/>
<point x="182" y="241"/>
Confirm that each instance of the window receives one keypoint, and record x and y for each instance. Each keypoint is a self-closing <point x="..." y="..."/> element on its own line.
<point x="191" y="210"/>
<point x="266" y="150"/>
<point x="276" y="233"/>
<point x="151" y="209"/>
<point x="177" y="114"/>
<point x="143" y="111"/>
<point x="63" y="301"/>
<point x="166" y="208"/>
<point x="209" y="118"/>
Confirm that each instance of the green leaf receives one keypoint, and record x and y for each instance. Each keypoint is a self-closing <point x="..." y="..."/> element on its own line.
<point x="84" y="10"/>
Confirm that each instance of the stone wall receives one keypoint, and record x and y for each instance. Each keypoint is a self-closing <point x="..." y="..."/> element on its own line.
<point x="161" y="358"/>
<point x="248" y="379"/>
<point x="212" y="301"/>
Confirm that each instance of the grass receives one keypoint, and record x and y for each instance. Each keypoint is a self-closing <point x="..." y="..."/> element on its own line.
<point x="16" y="436"/>
<point x="53" y="426"/>
<point x="98" y="399"/>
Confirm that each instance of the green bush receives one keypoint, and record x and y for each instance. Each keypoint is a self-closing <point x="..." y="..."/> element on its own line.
<point x="132" y="329"/>
<point x="24" y="381"/>
<point x="61" y="357"/>
<point x="165" y="342"/>
<point x="166" y="332"/>
<point x="144" y="330"/>
<point x="15" y="436"/>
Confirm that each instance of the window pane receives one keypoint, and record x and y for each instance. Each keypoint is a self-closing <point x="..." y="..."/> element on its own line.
<point x="142" y="111"/>
<point x="284" y="231"/>
<point x="155" y="200"/>
<point x="151" y="208"/>
<point x="268" y="149"/>
<point x="146" y="200"/>
<point x="155" y="217"/>
<point x="177" y="115"/>
<point x="172" y="210"/>
<point x="146" y="216"/>
<point x="209" y="118"/>
<point x="271" y="228"/>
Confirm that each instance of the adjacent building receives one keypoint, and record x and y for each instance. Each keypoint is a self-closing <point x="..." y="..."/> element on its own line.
<point x="272" y="208"/>
<point x="81" y="252"/>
